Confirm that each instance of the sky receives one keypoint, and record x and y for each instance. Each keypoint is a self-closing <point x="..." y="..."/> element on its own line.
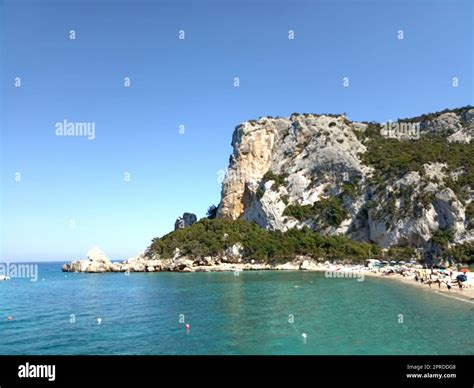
<point x="62" y="195"/>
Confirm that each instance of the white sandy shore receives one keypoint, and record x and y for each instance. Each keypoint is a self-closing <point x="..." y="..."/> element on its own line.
<point x="466" y="294"/>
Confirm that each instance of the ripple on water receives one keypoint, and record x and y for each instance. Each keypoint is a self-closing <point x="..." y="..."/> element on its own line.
<point x="227" y="314"/>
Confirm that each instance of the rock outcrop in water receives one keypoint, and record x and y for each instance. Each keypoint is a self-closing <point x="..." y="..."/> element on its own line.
<point x="96" y="262"/>
<point x="284" y="172"/>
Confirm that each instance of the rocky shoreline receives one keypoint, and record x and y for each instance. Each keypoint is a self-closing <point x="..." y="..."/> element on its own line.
<point x="232" y="260"/>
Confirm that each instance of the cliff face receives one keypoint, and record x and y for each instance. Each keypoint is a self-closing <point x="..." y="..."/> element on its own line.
<point x="328" y="173"/>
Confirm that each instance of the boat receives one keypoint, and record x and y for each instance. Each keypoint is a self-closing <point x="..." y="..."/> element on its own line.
<point x="4" y="277"/>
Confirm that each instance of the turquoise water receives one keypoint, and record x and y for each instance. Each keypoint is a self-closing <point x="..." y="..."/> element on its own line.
<point x="227" y="314"/>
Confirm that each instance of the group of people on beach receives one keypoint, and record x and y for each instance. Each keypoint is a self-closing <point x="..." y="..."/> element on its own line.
<point x="439" y="276"/>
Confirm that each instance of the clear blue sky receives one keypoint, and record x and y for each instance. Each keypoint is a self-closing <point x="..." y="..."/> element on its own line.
<point x="190" y="82"/>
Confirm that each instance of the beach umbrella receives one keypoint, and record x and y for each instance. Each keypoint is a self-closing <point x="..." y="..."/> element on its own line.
<point x="464" y="270"/>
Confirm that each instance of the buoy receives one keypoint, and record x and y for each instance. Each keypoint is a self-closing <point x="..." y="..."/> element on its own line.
<point x="304" y="335"/>
<point x="10" y="318"/>
<point x="187" y="326"/>
<point x="99" y="321"/>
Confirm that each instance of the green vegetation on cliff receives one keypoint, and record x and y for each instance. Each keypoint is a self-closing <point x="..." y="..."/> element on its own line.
<point x="279" y="179"/>
<point x="434" y="115"/>
<point x="326" y="212"/>
<point x="392" y="157"/>
<point x="470" y="216"/>
<point x="462" y="253"/>
<point x="405" y="253"/>
<point x="211" y="237"/>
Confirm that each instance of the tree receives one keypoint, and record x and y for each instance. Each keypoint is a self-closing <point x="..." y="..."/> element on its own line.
<point x="442" y="238"/>
<point x="212" y="212"/>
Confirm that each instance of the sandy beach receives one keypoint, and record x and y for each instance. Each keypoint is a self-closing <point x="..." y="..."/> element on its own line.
<point x="466" y="294"/>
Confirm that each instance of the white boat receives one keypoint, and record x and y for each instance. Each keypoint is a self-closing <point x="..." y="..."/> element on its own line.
<point x="4" y="277"/>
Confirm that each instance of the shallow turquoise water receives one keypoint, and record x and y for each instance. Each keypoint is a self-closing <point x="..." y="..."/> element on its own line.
<point x="227" y="314"/>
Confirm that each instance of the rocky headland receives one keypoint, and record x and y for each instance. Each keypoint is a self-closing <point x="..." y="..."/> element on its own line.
<point x="323" y="188"/>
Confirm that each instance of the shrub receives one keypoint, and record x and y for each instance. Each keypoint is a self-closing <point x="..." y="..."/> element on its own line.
<point x="279" y="179"/>
<point x="426" y="199"/>
<point x="326" y="212"/>
<point x="442" y="238"/>
<point x="300" y="212"/>
<point x="470" y="215"/>
<point x="462" y="253"/>
<point x="349" y="189"/>
<point x="212" y="212"/>
<point x="401" y="253"/>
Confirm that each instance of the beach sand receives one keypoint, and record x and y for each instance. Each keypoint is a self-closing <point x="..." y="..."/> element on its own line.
<point x="466" y="294"/>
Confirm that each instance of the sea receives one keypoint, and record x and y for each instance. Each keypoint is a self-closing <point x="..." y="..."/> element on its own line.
<point x="241" y="313"/>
